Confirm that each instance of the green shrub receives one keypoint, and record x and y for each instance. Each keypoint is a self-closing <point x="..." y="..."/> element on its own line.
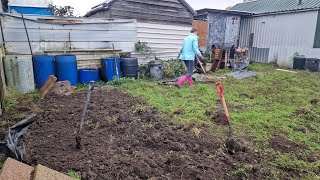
<point x="144" y="71"/>
<point x="173" y="68"/>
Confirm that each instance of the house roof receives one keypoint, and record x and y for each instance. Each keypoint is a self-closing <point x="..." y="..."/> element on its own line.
<point x="232" y="12"/>
<point x="276" y="6"/>
<point x="107" y="3"/>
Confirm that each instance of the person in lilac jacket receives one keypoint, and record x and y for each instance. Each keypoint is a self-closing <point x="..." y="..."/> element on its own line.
<point x="188" y="53"/>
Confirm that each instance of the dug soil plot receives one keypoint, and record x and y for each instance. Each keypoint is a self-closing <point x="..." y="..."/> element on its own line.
<point x="125" y="139"/>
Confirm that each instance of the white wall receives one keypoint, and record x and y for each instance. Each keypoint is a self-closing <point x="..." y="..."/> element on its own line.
<point x="165" y="40"/>
<point x="31" y="3"/>
<point x="280" y="36"/>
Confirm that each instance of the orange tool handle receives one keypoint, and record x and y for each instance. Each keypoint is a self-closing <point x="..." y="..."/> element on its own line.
<point x="204" y="71"/>
<point x="220" y="90"/>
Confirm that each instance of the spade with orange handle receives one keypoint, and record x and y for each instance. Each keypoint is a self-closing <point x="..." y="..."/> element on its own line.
<point x="230" y="142"/>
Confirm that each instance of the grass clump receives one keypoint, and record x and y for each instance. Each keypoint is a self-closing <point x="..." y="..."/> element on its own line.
<point x="74" y="175"/>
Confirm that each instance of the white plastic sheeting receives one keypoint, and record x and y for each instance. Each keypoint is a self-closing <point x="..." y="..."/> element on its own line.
<point x="48" y="34"/>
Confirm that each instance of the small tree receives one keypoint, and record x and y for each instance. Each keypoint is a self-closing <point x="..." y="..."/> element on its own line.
<point x="66" y="11"/>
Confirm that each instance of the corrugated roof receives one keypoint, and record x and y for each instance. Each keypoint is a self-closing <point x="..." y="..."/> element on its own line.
<point x="106" y="3"/>
<point x="206" y="10"/>
<point x="276" y="6"/>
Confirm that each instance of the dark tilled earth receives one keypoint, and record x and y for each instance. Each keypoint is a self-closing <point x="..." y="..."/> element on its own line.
<point x="124" y="139"/>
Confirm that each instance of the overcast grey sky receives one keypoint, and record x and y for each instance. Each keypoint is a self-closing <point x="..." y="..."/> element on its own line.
<point x="82" y="6"/>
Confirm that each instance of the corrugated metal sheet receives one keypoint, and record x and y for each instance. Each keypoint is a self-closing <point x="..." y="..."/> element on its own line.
<point x="316" y="43"/>
<point x="25" y="78"/>
<point x="19" y="73"/>
<point x="52" y="34"/>
<point x="275" y="6"/>
<point x="165" y="40"/>
<point x="278" y="37"/>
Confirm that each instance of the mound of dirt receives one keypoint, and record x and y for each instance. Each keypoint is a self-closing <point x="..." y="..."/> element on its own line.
<point x="220" y="118"/>
<point x="281" y="143"/>
<point x="300" y="112"/>
<point x="246" y="96"/>
<point x="120" y="142"/>
<point x="314" y="101"/>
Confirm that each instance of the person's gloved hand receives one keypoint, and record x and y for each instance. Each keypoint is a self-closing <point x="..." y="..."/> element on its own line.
<point x="201" y="58"/>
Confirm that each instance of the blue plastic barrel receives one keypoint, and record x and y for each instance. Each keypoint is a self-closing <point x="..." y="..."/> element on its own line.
<point x="43" y="68"/>
<point x="109" y="69"/>
<point x="87" y="74"/>
<point x="67" y="68"/>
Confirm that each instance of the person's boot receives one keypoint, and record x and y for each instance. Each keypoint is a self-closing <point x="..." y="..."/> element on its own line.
<point x="190" y="82"/>
<point x="182" y="80"/>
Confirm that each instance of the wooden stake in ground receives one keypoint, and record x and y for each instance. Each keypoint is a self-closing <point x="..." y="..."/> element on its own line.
<point x="220" y="57"/>
<point x="2" y="82"/>
<point x="45" y="89"/>
<point x="84" y="114"/>
<point x="115" y="63"/>
<point x="285" y="70"/>
<point x="226" y="58"/>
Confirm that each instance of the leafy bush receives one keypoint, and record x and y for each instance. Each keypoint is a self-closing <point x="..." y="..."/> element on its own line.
<point x="173" y="68"/>
<point x="144" y="71"/>
<point x="125" y="55"/>
<point x="144" y="49"/>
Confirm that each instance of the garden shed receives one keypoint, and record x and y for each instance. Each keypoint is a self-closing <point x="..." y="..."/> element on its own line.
<point x="162" y="24"/>
<point x="218" y="27"/>
<point x="279" y="29"/>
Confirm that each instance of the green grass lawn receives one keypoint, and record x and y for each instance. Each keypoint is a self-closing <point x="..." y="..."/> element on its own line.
<point x="272" y="103"/>
<point x="260" y="107"/>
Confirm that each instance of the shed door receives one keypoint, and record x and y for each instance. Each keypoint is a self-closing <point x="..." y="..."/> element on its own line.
<point x="232" y="31"/>
<point x="202" y="27"/>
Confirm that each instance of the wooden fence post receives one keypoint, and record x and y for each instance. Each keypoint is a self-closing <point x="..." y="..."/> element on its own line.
<point x="2" y="81"/>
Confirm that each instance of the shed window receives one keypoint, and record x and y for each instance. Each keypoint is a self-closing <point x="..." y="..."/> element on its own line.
<point x="316" y="43"/>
